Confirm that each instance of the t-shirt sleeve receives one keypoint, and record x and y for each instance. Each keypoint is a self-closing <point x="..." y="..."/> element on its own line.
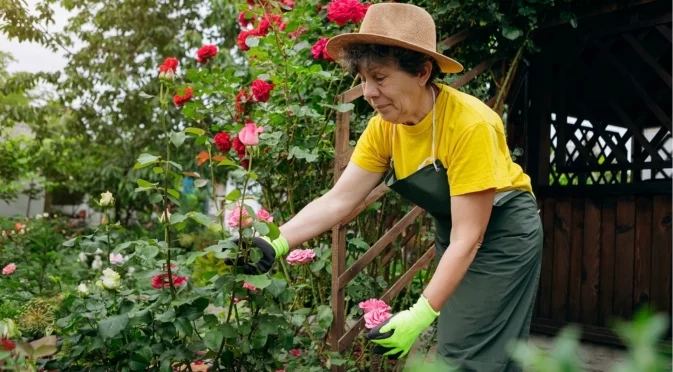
<point x="473" y="165"/>
<point x="372" y="151"/>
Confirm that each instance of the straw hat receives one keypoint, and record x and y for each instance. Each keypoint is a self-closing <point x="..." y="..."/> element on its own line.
<point x="396" y="24"/>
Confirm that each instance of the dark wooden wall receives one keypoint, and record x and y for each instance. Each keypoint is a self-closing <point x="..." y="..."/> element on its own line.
<point x="603" y="188"/>
<point x="604" y="257"/>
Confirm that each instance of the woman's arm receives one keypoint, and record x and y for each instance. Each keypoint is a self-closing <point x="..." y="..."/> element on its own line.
<point x="325" y="212"/>
<point x="470" y="214"/>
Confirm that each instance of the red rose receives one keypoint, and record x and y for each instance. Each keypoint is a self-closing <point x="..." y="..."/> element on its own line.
<point x="294" y="352"/>
<point x="170" y="63"/>
<point x="268" y="20"/>
<point x="161" y="281"/>
<point x="179" y="100"/>
<point x="206" y="53"/>
<point x="239" y="147"/>
<point x="342" y="11"/>
<point x="245" y="163"/>
<point x="246" y="18"/>
<point x="319" y="51"/>
<point x="260" y="90"/>
<point x="240" y="41"/>
<point x="243" y="99"/>
<point x="223" y="141"/>
<point x="7" y="344"/>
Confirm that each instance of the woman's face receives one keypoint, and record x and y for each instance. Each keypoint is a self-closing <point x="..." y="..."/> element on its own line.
<point x="394" y="93"/>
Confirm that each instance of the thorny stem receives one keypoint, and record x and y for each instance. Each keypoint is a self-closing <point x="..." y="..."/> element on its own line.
<point x="167" y="232"/>
<point x="214" y="193"/>
<point x="240" y="246"/>
<point x="107" y="232"/>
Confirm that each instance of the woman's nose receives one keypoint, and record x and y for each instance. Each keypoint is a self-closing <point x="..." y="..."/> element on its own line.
<point x="369" y="91"/>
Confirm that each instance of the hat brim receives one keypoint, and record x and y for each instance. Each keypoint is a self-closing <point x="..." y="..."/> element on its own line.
<point x="337" y="43"/>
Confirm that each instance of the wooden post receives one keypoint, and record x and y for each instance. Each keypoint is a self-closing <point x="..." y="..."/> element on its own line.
<point x="339" y="236"/>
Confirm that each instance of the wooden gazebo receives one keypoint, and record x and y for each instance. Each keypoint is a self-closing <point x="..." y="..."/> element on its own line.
<point x="592" y="114"/>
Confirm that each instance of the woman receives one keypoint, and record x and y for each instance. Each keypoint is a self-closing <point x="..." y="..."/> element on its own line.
<point x="446" y="152"/>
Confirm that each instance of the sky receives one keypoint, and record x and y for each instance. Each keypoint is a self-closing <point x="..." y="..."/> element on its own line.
<point x="33" y="57"/>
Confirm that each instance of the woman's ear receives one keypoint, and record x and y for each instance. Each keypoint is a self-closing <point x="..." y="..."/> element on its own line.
<point x="424" y="74"/>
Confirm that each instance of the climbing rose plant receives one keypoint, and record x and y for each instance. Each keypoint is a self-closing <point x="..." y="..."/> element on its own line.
<point x="255" y="124"/>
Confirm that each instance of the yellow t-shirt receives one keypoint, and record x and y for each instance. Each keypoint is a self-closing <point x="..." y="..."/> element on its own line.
<point x="469" y="141"/>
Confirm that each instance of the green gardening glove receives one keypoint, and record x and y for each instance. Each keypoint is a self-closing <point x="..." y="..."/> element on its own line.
<point x="406" y="326"/>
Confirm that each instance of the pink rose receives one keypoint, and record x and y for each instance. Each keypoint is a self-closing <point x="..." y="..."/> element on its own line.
<point x="264" y="215"/>
<point x="249" y="286"/>
<point x="300" y="256"/>
<point x="373" y="304"/>
<point x="116" y="259"/>
<point x="249" y="135"/>
<point x="235" y="218"/>
<point x="376" y="317"/>
<point x="8" y="269"/>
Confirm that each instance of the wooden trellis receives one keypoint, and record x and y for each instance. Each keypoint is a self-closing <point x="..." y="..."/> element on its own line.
<point x="340" y="339"/>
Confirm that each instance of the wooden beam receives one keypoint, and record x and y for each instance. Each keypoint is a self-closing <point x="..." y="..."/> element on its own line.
<point x="662" y="187"/>
<point x="390" y="293"/>
<point x="455" y="38"/>
<point x="654" y="65"/>
<point x="375" y="249"/>
<point x="338" y="294"/>
<point x="351" y="94"/>
<point x="478" y="69"/>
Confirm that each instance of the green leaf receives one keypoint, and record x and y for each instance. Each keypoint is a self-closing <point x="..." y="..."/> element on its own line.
<point x="174" y="193"/>
<point x="155" y="198"/>
<point x="338" y="362"/>
<point x="261" y="227"/>
<point x="192" y="257"/>
<point x="145" y="160"/>
<point x="69" y="243"/>
<point x="255" y="255"/>
<point x="200" y="218"/>
<point x="259" y="281"/>
<point x="227" y="162"/>
<point x="200" y="182"/>
<point x="258" y="339"/>
<point x="146" y="184"/>
<point x="145" y="95"/>
<point x="276" y="287"/>
<point x="228" y="330"/>
<point x="233" y="195"/>
<point x="112" y="326"/>
<point x="511" y="33"/>
<point x="316" y="266"/>
<point x="147" y="251"/>
<point x="301" y="46"/>
<point x="197" y="131"/>
<point x="298" y="320"/>
<point x="213" y="339"/>
<point x="158" y="170"/>
<point x="178" y="138"/>
<point x="274" y="231"/>
<point x="166" y="316"/>
<point x="177" y="218"/>
<point x="325" y="316"/>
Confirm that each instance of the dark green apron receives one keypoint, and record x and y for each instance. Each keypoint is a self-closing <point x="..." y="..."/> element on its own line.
<point x="493" y="304"/>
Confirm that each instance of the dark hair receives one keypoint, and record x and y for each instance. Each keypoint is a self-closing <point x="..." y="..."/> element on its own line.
<point x="358" y="55"/>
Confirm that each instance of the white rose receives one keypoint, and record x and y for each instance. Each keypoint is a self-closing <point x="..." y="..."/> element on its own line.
<point x="106" y="199"/>
<point x="97" y="263"/>
<point x="45" y="214"/>
<point x="38" y="216"/>
<point x="82" y="257"/>
<point x="111" y="279"/>
<point x="82" y="288"/>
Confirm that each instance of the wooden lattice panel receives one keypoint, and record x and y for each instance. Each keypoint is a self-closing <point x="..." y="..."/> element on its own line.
<point x="610" y="122"/>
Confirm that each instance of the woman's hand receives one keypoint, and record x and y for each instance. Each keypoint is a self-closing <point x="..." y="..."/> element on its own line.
<point x="404" y="328"/>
